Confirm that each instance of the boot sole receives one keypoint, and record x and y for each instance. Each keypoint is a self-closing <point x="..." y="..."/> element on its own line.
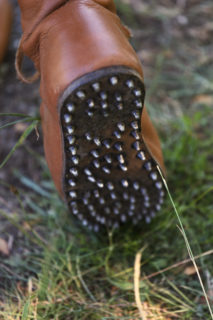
<point x="110" y="177"/>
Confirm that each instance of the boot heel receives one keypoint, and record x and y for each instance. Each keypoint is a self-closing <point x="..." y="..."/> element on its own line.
<point x="109" y="175"/>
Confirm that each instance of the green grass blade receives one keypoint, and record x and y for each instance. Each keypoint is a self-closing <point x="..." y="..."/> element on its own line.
<point x="26" y="310"/>
<point x="23" y="137"/>
<point x="82" y="280"/>
<point x="18" y="121"/>
<point x="15" y="115"/>
<point x="34" y="186"/>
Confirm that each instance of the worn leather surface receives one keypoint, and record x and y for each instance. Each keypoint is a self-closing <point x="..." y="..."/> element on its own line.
<point x="5" y="26"/>
<point x="67" y="39"/>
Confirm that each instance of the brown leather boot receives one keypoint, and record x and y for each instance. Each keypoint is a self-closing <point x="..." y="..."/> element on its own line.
<point x="101" y="156"/>
<point x="5" y="26"/>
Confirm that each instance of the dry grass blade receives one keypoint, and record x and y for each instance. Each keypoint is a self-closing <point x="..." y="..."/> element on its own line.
<point x="137" y="266"/>
<point x="181" y="228"/>
<point x="178" y="264"/>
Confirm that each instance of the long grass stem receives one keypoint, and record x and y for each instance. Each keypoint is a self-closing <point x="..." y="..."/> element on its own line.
<point x="181" y="228"/>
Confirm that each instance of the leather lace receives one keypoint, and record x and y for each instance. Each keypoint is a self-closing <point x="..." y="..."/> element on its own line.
<point x="18" y="66"/>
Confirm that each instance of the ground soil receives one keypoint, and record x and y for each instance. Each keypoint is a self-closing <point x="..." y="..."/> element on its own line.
<point x="16" y="97"/>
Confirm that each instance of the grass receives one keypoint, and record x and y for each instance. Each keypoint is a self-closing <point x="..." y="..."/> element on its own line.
<point x="58" y="270"/>
<point x="64" y="272"/>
